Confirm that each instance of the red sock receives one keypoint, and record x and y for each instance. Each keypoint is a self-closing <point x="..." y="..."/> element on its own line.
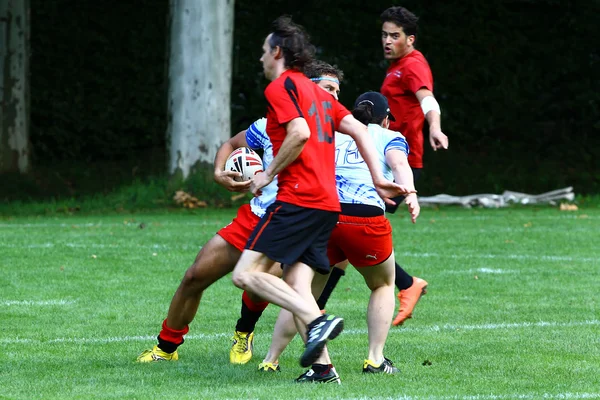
<point x="254" y="306"/>
<point x="172" y="335"/>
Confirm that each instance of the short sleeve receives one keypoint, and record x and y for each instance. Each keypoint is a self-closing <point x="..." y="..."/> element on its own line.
<point x="417" y="75"/>
<point x="340" y="113"/>
<point x="256" y="134"/>
<point x="395" y="141"/>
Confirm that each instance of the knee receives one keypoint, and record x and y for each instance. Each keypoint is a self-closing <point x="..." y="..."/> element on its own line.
<point x="239" y="278"/>
<point x="195" y="278"/>
<point x="380" y="285"/>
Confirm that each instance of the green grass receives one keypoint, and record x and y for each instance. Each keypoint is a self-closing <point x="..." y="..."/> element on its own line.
<point x="512" y="310"/>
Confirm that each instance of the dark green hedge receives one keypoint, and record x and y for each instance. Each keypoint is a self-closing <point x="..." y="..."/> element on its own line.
<point x="517" y="81"/>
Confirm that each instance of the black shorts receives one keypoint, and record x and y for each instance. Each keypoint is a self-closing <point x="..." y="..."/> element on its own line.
<point x="289" y="233"/>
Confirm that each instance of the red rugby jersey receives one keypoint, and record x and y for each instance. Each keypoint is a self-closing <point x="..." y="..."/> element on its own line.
<point x="309" y="181"/>
<point x="404" y="78"/>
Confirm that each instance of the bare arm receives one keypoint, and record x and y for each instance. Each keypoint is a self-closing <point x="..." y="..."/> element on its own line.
<point x="386" y="189"/>
<point x="226" y="178"/>
<point x="297" y="134"/>
<point x="403" y="175"/>
<point x="437" y="138"/>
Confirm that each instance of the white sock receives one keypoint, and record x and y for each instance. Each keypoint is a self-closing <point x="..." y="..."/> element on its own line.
<point x="380" y="361"/>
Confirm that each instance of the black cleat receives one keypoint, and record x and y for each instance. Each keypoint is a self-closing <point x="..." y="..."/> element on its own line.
<point x="386" y="367"/>
<point x="329" y="376"/>
<point x="321" y="330"/>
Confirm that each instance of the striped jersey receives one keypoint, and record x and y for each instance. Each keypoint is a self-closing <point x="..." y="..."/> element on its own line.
<point x="257" y="138"/>
<point x="352" y="176"/>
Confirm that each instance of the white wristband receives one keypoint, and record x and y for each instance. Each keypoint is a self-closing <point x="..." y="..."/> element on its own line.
<point x="429" y="103"/>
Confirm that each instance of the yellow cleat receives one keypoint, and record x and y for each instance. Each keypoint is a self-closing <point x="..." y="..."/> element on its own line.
<point x="156" y="354"/>
<point x="386" y="367"/>
<point x="268" y="367"/>
<point x="241" y="349"/>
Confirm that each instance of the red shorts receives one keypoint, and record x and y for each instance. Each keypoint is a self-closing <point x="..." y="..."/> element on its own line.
<point x="239" y="230"/>
<point x="364" y="241"/>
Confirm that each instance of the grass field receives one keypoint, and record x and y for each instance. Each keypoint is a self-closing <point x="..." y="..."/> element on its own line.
<point x="513" y="311"/>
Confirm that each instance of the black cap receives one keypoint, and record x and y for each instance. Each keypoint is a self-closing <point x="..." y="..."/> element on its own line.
<point x="378" y="102"/>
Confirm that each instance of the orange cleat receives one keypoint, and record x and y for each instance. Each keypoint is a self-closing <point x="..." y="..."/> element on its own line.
<point x="408" y="300"/>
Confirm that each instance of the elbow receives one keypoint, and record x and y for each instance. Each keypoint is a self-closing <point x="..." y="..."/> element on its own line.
<point x="301" y="137"/>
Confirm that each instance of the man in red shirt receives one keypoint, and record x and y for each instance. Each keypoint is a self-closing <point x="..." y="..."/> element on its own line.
<point x="408" y="87"/>
<point x="301" y="121"/>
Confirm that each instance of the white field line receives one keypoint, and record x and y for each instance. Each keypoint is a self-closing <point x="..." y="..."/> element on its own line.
<point x="399" y="255"/>
<point x="567" y="395"/>
<point x="499" y="257"/>
<point x="9" y="303"/>
<point x="428" y="219"/>
<point x="522" y="218"/>
<point x="493" y="271"/>
<point x="214" y="336"/>
<point x="97" y="246"/>
<point x="468" y="231"/>
<point x="582" y="215"/>
<point x="440" y="229"/>
<point x="134" y="224"/>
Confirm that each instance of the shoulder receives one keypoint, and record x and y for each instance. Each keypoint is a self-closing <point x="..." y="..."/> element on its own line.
<point x="416" y="59"/>
<point x="385" y="135"/>
<point x="392" y="140"/>
<point x="392" y="134"/>
<point x="274" y="86"/>
<point x="289" y="82"/>
<point x="256" y="134"/>
<point x="258" y="126"/>
<point x="380" y="133"/>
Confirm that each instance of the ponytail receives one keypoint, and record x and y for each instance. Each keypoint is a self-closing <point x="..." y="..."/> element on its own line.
<point x="364" y="113"/>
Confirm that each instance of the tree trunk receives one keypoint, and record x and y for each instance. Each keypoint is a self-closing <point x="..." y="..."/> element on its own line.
<point x="199" y="82"/>
<point x="14" y="90"/>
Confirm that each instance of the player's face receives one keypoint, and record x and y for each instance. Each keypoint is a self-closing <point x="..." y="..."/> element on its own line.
<point x="268" y="60"/>
<point x="395" y="42"/>
<point x="329" y="86"/>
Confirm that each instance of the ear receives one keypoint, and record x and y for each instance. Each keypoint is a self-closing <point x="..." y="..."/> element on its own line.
<point x="277" y="52"/>
<point x="386" y="122"/>
<point x="411" y="40"/>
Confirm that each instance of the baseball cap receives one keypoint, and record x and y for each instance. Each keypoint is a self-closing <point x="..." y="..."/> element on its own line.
<point x="378" y="102"/>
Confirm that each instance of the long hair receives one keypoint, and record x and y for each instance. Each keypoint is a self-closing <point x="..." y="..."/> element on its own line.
<point x="364" y="113"/>
<point x="293" y="41"/>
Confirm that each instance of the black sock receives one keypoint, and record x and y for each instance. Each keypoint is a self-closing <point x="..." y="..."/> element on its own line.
<point x="403" y="280"/>
<point x="248" y="319"/>
<point x="321" y="368"/>
<point x="392" y="208"/>
<point x="336" y="274"/>
<point x="168" y="347"/>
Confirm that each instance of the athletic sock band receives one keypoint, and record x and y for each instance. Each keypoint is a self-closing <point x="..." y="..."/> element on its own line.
<point x="169" y="339"/>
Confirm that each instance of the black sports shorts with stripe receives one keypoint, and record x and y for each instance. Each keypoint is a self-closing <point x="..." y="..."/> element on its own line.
<point x="288" y="233"/>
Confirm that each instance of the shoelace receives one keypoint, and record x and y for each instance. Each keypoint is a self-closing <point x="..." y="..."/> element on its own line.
<point x="241" y="344"/>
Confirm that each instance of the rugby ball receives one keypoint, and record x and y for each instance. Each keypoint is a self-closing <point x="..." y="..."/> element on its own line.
<point x="246" y="161"/>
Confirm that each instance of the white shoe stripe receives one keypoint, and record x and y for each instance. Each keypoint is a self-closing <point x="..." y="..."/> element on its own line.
<point x="333" y="324"/>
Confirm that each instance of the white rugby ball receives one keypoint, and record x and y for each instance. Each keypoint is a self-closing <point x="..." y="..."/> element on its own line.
<point x="246" y="161"/>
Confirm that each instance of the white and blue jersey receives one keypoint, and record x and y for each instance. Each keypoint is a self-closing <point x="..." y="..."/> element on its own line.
<point x="257" y="138"/>
<point x="352" y="176"/>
